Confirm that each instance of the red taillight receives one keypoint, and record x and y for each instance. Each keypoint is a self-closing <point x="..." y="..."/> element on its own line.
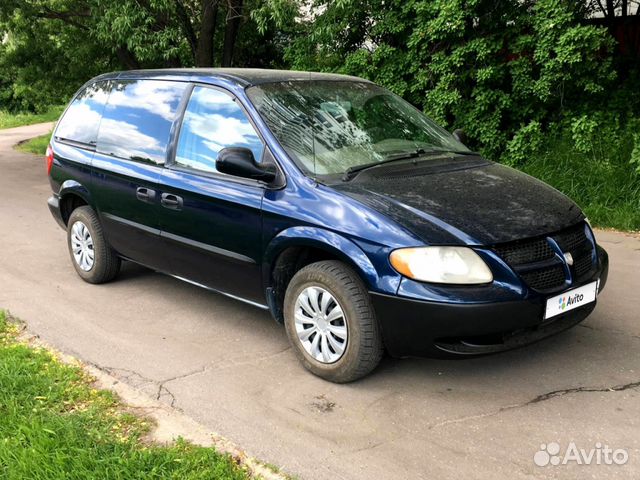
<point x="49" y="159"/>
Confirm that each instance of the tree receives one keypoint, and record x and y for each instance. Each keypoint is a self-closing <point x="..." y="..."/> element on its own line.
<point x="612" y="8"/>
<point x="500" y="70"/>
<point x="204" y="50"/>
<point x="53" y="46"/>
<point x="622" y="19"/>
<point x="234" y="16"/>
<point x="43" y="60"/>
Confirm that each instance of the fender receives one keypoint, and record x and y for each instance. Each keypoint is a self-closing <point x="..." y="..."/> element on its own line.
<point x="73" y="187"/>
<point x="340" y="246"/>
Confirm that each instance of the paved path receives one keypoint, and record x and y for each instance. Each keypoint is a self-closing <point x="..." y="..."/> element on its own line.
<point x="229" y="366"/>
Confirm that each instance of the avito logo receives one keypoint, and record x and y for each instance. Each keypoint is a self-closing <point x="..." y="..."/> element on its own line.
<point x="570" y="300"/>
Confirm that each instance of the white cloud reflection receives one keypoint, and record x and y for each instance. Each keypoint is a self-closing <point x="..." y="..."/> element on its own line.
<point x="156" y="97"/>
<point x="80" y="123"/>
<point x="125" y="139"/>
<point x="212" y="122"/>
<point x="221" y="130"/>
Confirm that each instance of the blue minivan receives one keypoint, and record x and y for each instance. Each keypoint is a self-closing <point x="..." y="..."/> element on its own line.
<point x="352" y="217"/>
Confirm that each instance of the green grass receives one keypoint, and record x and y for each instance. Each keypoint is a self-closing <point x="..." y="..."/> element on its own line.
<point x="37" y="145"/>
<point x="603" y="183"/>
<point x="10" y="120"/>
<point x="55" y="425"/>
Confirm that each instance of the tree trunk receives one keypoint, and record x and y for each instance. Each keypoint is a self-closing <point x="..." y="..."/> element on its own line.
<point x="234" y="17"/>
<point x="611" y="10"/>
<point x="127" y="58"/>
<point x="204" y="51"/>
<point x="187" y="28"/>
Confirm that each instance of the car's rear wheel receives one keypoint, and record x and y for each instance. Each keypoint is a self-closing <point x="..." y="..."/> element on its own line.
<point x="91" y="255"/>
<point x="331" y="323"/>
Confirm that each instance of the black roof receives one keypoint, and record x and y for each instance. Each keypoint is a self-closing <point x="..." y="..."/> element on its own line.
<point x="242" y="76"/>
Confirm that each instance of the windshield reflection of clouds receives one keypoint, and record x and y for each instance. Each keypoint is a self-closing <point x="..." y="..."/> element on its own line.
<point x="212" y="122"/>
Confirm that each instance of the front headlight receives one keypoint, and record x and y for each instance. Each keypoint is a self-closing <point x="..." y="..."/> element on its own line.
<point x="459" y="265"/>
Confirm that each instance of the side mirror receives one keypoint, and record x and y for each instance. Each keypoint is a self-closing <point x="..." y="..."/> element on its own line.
<point x="460" y="136"/>
<point x="239" y="161"/>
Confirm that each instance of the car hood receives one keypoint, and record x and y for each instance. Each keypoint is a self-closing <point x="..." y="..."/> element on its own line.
<point x="467" y="201"/>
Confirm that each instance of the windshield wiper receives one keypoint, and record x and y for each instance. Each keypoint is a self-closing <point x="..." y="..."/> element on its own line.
<point x="419" y="152"/>
<point x="351" y="171"/>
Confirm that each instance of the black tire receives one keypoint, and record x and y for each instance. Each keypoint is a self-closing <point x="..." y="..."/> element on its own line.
<point x="364" y="347"/>
<point x="106" y="263"/>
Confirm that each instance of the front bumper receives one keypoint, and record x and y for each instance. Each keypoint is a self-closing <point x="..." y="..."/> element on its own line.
<point x="437" y="329"/>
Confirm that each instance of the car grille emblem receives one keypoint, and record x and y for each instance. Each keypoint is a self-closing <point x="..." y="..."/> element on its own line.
<point x="568" y="258"/>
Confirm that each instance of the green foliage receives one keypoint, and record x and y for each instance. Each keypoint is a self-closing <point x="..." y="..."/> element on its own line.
<point x="491" y="68"/>
<point x="525" y="144"/>
<point x="278" y="13"/>
<point x="632" y="139"/>
<point x="635" y="153"/>
<point x="55" y="425"/>
<point x="51" y="47"/>
<point x="604" y="186"/>
<point x="126" y="25"/>
<point x="43" y="61"/>
<point x="583" y="130"/>
<point x="9" y="120"/>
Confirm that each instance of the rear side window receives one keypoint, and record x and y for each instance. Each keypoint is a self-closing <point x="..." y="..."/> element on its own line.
<point x="137" y="120"/>
<point x="81" y="120"/>
<point x="213" y="121"/>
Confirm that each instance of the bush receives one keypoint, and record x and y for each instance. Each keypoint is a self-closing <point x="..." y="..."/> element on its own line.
<point x="593" y="164"/>
<point x="503" y="71"/>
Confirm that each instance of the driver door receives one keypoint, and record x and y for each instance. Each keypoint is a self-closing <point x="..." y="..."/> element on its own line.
<point x="213" y="221"/>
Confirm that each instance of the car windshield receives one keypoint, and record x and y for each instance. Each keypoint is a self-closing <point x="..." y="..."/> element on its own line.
<point x="332" y="127"/>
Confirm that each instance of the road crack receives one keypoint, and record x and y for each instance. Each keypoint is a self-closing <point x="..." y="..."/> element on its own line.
<point x="139" y="382"/>
<point x="165" y="392"/>
<point x="540" y="398"/>
<point x="197" y="371"/>
<point x="567" y="391"/>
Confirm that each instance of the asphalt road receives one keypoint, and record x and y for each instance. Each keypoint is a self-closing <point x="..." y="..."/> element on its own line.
<point x="229" y="366"/>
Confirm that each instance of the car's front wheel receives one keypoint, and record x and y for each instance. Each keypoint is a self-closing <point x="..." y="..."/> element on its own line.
<point x="331" y="323"/>
<point x="91" y="255"/>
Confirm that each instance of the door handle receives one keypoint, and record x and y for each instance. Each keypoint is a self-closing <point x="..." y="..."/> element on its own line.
<point x="145" y="194"/>
<point x="169" y="200"/>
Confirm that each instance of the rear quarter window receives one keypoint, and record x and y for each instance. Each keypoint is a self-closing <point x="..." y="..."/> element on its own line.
<point x="137" y="119"/>
<point x="81" y="120"/>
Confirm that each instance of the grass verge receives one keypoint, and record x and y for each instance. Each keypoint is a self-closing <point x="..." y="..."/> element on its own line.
<point x="37" y="145"/>
<point x="604" y="184"/>
<point x="55" y="425"/>
<point x="10" y="120"/>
